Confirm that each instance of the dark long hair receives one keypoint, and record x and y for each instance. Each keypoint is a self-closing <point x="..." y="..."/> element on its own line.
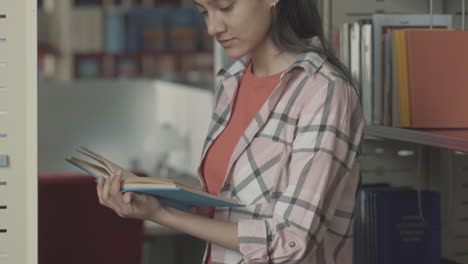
<point x="296" y="21"/>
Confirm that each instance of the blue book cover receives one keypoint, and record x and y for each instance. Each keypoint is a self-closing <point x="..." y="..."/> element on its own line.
<point x="359" y="228"/>
<point x="183" y="29"/>
<point x="134" y="26"/>
<point x="155" y="33"/>
<point x="182" y="199"/>
<point x="170" y="192"/>
<point x="114" y="31"/>
<point x="364" y="224"/>
<point x="204" y="40"/>
<point x="403" y="236"/>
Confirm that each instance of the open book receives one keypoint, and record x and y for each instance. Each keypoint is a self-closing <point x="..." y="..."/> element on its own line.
<point x="170" y="192"/>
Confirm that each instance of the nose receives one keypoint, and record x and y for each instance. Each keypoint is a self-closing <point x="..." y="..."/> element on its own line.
<point x="215" y="25"/>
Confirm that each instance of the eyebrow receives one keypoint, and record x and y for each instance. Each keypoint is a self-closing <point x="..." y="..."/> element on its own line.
<point x="211" y="2"/>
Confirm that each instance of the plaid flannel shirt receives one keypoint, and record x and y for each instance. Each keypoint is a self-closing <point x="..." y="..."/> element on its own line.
<point x="295" y="167"/>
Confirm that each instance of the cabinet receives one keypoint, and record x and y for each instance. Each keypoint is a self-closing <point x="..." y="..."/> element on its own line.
<point x="18" y="133"/>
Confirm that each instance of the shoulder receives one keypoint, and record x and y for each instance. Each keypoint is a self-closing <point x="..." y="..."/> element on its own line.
<point x="327" y="99"/>
<point x="325" y="85"/>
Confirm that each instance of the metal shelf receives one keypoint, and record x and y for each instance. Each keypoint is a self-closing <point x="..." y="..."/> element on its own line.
<point x="428" y="138"/>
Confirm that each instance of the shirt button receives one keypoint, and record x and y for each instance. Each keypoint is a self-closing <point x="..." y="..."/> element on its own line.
<point x="292" y="244"/>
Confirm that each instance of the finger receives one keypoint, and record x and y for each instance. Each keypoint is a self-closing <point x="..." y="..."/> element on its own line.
<point x="115" y="186"/>
<point x="99" y="187"/>
<point x="115" y="196"/>
<point x="127" y="198"/>
<point x="105" y="190"/>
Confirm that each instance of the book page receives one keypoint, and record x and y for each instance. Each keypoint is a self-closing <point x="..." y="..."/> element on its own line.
<point x="109" y="165"/>
<point x="95" y="159"/>
<point x="96" y="170"/>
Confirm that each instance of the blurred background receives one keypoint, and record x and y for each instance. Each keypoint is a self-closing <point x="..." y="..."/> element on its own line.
<point x="134" y="80"/>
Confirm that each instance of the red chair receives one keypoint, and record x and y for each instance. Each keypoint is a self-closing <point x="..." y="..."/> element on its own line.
<point x="75" y="229"/>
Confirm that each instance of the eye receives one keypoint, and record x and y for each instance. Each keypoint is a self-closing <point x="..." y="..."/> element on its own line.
<point x="203" y="11"/>
<point x="226" y="8"/>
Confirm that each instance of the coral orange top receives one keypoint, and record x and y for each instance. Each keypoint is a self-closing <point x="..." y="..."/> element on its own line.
<point x="252" y="94"/>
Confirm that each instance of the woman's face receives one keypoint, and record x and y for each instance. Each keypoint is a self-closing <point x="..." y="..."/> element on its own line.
<point x="240" y="26"/>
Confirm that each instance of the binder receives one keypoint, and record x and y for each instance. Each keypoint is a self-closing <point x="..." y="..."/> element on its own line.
<point x="401" y="108"/>
<point x="438" y="78"/>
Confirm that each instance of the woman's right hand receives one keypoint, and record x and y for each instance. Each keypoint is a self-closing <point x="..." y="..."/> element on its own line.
<point x="128" y="205"/>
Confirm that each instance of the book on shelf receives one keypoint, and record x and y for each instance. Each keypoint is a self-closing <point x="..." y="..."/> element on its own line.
<point x="183" y="29"/>
<point x="134" y="29"/>
<point x="355" y="53"/>
<point x="344" y="44"/>
<point x="438" y="80"/>
<point x="366" y="69"/>
<point x="171" y="192"/>
<point x="388" y="78"/>
<point x="400" y="107"/>
<point x="372" y="53"/>
<point x="397" y="225"/>
<point x="114" y="29"/>
<point x="87" y="29"/>
<point x="383" y="24"/>
<point x="155" y="35"/>
<point x="122" y="28"/>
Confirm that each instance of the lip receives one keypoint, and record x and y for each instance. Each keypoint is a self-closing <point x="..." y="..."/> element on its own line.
<point x="227" y="43"/>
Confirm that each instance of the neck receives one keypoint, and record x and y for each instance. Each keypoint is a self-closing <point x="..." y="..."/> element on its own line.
<point x="268" y="60"/>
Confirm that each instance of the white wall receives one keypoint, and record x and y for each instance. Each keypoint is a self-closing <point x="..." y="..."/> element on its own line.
<point x="188" y="111"/>
<point x="116" y="118"/>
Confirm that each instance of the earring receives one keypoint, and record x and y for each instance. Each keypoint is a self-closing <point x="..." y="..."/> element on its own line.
<point x="274" y="5"/>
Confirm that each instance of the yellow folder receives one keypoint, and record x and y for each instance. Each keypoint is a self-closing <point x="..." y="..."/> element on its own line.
<point x="401" y="55"/>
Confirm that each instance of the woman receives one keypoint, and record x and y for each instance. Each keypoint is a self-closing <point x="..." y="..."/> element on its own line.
<point x="284" y="139"/>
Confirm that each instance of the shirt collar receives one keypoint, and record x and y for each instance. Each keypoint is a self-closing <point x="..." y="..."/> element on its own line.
<point x="235" y="67"/>
<point x="310" y="62"/>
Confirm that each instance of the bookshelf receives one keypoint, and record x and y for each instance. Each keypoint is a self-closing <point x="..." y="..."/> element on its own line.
<point x="130" y="39"/>
<point x="425" y="159"/>
<point x="419" y="137"/>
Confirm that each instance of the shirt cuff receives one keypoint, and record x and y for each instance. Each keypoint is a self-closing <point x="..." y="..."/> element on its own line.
<point x="253" y="243"/>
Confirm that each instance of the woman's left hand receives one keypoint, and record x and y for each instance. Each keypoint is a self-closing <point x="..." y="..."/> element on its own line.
<point x="128" y="205"/>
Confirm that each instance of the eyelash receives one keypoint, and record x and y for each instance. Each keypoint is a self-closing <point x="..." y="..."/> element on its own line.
<point x="226" y="9"/>
<point x="223" y="9"/>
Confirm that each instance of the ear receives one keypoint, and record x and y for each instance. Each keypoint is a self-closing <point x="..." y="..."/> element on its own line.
<point x="274" y="3"/>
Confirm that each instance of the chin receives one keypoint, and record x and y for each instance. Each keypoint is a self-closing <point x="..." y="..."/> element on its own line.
<point x="234" y="53"/>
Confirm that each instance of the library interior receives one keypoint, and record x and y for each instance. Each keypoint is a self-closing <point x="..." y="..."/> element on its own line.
<point x="135" y="80"/>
